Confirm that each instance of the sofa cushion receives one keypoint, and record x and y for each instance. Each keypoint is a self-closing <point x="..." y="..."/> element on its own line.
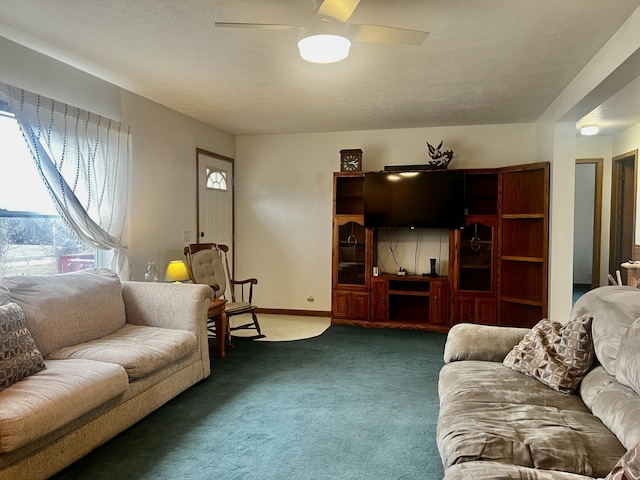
<point x="4" y="295"/>
<point x="628" y="468"/>
<point x="492" y="413"/>
<point x="559" y="355"/>
<point x="51" y="398"/>
<point x="500" y="471"/>
<point x="69" y="308"/>
<point x="618" y="407"/>
<point x="628" y="360"/>
<point x="140" y="350"/>
<point x="593" y="384"/>
<point x="19" y="356"/>
<point x="468" y="341"/>
<point x="614" y="309"/>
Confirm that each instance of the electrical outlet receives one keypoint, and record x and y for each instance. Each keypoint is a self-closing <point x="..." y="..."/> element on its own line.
<point x="310" y="298"/>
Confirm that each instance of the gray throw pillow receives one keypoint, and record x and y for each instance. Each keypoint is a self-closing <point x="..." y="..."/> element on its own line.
<point x="559" y="355"/>
<point x="19" y="355"/>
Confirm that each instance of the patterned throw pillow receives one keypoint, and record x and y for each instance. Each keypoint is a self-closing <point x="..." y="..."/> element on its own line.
<point x="19" y="355"/>
<point x="556" y="354"/>
<point x="628" y="467"/>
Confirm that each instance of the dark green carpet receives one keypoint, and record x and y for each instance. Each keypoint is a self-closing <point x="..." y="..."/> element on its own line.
<point x="354" y="403"/>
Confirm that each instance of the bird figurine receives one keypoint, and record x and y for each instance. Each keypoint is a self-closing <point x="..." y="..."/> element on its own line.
<point x="439" y="158"/>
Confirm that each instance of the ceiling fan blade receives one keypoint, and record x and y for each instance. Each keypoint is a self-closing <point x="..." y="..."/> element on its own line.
<point x="339" y="10"/>
<point x="392" y="35"/>
<point x="264" y="26"/>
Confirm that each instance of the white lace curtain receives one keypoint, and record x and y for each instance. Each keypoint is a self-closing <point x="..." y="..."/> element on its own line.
<point x="84" y="161"/>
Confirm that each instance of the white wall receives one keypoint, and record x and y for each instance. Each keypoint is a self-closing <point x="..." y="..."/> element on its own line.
<point x="609" y="70"/>
<point x="163" y="201"/>
<point x="284" y="200"/>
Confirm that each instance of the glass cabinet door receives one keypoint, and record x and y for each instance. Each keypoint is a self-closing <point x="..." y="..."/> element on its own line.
<point x="351" y="254"/>
<point x="476" y="257"/>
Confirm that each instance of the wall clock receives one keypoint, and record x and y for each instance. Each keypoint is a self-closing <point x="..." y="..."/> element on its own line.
<point x="351" y="160"/>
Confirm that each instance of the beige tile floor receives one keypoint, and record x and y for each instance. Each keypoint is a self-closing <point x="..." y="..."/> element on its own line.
<point x="283" y="328"/>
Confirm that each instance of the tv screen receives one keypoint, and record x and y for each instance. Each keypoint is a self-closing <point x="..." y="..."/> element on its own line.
<point x="422" y="199"/>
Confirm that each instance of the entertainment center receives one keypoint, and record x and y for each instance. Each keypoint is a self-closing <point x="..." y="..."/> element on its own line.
<point x="497" y="225"/>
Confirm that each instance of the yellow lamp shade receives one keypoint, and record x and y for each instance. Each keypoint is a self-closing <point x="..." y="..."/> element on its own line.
<point x="176" y="271"/>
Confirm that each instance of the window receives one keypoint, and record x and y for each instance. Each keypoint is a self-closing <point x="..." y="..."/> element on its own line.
<point x="33" y="238"/>
<point x="216" y="179"/>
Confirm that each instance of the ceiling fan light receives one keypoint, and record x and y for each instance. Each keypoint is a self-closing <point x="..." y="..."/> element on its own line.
<point x="324" y="48"/>
<point x="589" y="130"/>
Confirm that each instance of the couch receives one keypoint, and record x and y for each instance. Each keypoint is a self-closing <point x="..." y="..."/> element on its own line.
<point x="497" y="422"/>
<point x="97" y="356"/>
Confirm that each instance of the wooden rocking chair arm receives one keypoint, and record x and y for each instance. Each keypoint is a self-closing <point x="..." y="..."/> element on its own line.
<point x="252" y="281"/>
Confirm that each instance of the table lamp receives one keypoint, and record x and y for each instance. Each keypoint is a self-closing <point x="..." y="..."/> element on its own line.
<point x="176" y="272"/>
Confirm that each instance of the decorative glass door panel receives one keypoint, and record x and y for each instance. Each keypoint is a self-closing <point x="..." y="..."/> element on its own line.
<point x="351" y="254"/>
<point x="476" y="258"/>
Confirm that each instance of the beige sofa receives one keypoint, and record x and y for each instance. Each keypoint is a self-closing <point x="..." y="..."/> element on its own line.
<point x="496" y="423"/>
<point x="113" y="352"/>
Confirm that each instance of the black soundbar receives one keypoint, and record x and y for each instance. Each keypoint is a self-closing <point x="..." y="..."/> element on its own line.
<point x="403" y="168"/>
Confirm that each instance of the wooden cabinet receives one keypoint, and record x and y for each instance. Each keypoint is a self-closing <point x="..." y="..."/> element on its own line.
<point x="498" y="261"/>
<point x="352" y="250"/>
<point x="439" y="301"/>
<point x="415" y="302"/>
<point x="350" y="305"/>
<point x="469" y="308"/>
<point x="473" y="252"/>
<point x="379" y="302"/>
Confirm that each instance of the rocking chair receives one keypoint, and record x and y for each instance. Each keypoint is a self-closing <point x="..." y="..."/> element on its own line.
<point x="204" y="262"/>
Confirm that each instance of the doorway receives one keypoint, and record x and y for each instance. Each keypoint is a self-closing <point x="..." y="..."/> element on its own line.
<point x="215" y="201"/>
<point x="623" y="208"/>
<point x="587" y="225"/>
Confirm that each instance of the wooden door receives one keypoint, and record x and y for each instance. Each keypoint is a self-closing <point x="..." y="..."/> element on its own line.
<point x="486" y="310"/>
<point x="439" y="302"/>
<point x="379" y="311"/>
<point x="623" y="207"/>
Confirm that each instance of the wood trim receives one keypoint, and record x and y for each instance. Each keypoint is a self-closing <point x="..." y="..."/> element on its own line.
<point x="391" y="324"/>
<point x="597" y="219"/>
<point x="302" y="313"/>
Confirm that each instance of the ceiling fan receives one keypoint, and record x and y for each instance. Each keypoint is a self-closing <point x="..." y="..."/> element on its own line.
<point x="327" y="37"/>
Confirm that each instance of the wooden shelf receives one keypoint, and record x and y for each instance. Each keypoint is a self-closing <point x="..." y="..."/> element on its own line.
<point x="523" y="216"/>
<point x="391" y="324"/>
<point x="514" y="258"/>
<point x="409" y="294"/>
<point x="533" y="303"/>
<point x="508" y="285"/>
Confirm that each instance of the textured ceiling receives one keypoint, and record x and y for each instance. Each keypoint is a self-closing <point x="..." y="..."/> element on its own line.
<point x="484" y="62"/>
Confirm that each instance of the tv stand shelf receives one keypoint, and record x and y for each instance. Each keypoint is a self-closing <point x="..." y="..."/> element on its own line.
<point x="412" y="301"/>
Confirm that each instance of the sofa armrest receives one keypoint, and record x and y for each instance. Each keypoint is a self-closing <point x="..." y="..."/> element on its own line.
<point x="181" y="306"/>
<point x="167" y="305"/>
<point x="467" y="341"/>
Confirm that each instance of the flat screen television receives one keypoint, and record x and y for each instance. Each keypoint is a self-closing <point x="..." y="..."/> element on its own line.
<point x="420" y="199"/>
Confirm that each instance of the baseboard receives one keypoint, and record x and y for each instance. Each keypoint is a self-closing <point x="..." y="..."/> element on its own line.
<point x="302" y="313"/>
